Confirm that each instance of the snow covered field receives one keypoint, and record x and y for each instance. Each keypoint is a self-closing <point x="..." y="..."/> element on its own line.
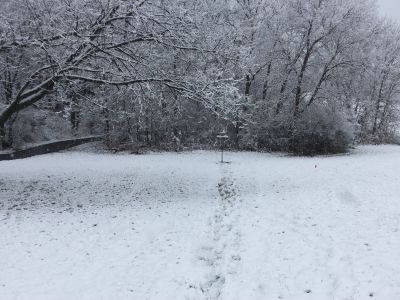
<point x="77" y="225"/>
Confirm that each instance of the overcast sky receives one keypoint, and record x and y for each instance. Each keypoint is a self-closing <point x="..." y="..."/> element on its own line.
<point x="390" y="8"/>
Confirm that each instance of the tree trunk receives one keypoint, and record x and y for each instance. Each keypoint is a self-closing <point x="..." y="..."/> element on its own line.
<point x="74" y="120"/>
<point x="2" y="137"/>
<point x="279" y="105"/>
<point x="377" y="108"/>
<point x="49" y="148"/>
<point x="300" y="84"/>
<point x="248" y="86"/>
<point x="266" y="82"/>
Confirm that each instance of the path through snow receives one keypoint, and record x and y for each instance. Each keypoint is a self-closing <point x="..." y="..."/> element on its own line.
<point x="221" y="254"/>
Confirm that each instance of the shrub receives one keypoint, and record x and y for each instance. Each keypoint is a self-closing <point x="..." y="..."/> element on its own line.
<point x="321" y="130"/>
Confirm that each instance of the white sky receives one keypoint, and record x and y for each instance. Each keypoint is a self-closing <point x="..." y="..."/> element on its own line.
<point x="390" y="8"/>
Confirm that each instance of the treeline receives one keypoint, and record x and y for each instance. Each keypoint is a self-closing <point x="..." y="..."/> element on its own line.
<point x="305" y="76"/>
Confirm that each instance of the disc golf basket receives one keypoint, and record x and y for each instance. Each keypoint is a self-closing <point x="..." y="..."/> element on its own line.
<point x="222" y="137"/>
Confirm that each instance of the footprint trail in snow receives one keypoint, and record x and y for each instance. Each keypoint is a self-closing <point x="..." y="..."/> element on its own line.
<point x="222" y="254"/>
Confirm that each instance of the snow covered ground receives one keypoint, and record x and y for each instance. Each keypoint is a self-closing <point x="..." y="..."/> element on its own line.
<point x="77" y="225"/>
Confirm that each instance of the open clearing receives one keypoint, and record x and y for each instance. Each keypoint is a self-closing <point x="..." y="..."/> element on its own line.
<point x="76" y="225"/>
